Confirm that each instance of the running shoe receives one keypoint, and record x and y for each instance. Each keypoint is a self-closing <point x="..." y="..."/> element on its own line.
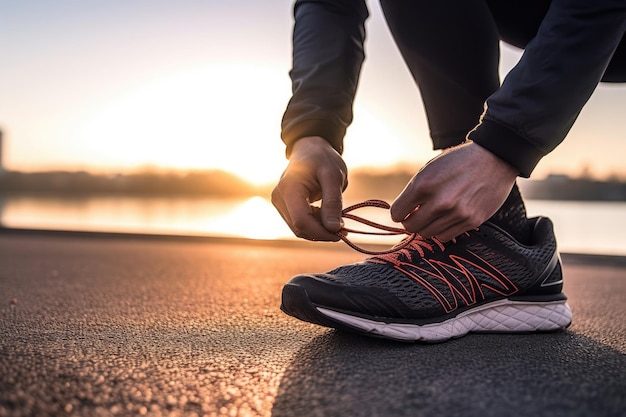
<point x="426" y="290"/>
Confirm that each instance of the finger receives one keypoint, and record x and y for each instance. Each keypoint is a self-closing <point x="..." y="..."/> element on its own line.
<point x="279" y="203"/>
<point x="427" y="219"/>
<point x="308" y="227"/>
<point x="444" y="230"/>
<point x="406" y="202"/>
<point x="303" y="223"/>
<point x="453" y="232"/>
<point x="433" y="227"/>
<point x="332" y="202"/>
<point x="430" y="218"/>
<point x="443" y="223"/>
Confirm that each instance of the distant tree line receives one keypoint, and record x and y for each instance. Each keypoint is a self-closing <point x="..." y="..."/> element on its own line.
<point x="387" y="186"/>
<point x="211" y="183"/>
<point x="561" y="187"/>
<point x="363" y="184"/>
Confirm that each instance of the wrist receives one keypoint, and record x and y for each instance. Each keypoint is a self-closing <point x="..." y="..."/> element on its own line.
<point x="493" y="160"/>
<point x="308" y="143"/>
<point x="508" y="145"/>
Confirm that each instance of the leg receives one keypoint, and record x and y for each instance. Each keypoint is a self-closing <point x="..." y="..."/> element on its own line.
<point x="451" y="48"/>
<point x="518" y="20"/>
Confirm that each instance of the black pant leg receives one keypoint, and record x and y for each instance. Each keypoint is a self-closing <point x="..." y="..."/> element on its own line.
<point x="452" y="50"/>
<point x="518" y="20"/>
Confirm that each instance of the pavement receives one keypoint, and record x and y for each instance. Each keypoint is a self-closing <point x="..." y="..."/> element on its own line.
<point x="108" y="325"/>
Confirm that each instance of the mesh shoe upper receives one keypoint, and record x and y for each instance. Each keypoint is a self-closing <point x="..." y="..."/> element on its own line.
<point x="427" y="279"/>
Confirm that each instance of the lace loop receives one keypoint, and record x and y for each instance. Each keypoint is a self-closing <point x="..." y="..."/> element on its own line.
<point x="412" y="241"/>
<point x="386" y="230"/>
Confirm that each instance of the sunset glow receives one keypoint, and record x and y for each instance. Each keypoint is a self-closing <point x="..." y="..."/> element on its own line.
<point x="194" y="120"/>
<point x="256" y="218"/>
<point x="180" y="87"/>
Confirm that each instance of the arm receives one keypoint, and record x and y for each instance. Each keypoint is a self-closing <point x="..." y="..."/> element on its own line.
<point x="542" y="96"/>
<point x="327" y="57"/>
<point x="328" y="53"/>
<point x="524" y="120"/>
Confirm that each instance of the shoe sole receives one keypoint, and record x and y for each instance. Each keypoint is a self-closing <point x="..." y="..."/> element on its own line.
<point x="502" y="316"/>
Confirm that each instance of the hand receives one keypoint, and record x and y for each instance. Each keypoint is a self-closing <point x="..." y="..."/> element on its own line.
<point x="315" y="172"/>
<point x="455" y="192"/>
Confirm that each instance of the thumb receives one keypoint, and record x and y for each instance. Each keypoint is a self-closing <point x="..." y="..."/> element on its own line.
<point x="331" y="212"/>
<point x="332" y="203"/>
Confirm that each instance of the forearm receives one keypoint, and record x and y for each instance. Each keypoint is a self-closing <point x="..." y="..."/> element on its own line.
<point x="327" y="57"/>
<point x="542" y="96"/>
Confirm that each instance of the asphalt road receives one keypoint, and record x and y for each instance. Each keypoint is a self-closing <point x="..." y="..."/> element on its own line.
<point x="181" y="327"/>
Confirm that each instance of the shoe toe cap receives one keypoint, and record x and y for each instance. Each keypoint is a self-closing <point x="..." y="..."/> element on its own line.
<point x="321" y="292"/>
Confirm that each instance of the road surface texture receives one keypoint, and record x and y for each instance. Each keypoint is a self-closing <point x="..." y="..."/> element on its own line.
<point x="105" y="325"/>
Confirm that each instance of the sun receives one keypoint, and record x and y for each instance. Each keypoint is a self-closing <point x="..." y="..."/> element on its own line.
<point x="225" y="117"/>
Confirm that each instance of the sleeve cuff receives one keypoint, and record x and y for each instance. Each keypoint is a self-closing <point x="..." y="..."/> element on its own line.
<point x="507" y="145"/>
<point x="332" y="134"/>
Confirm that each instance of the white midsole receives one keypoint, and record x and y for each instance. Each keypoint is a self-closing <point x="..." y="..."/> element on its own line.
<point x="499" y="316"/>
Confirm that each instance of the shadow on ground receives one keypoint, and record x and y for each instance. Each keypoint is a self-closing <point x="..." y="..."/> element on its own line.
<point x="556" y="374"/>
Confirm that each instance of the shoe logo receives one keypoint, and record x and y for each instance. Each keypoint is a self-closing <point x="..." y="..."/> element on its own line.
<point x="456" y="281"/>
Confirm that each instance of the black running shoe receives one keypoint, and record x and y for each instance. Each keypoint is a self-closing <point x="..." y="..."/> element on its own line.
<point x="425" y="290"/>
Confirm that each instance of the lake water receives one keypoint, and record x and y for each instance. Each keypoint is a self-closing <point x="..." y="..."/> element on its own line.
<point x="582" y="227"/>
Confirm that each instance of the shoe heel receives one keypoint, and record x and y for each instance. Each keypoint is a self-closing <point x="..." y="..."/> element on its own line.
<point x="550" y="281"/>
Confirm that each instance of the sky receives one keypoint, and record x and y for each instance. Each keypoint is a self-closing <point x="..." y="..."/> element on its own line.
<point x="118" y="85"/>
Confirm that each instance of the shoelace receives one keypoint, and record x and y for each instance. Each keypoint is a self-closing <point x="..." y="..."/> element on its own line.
<point x="387" y="230"/>
<point x="411" y="241"/>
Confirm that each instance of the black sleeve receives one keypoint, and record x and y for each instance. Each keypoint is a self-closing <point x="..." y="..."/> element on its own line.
<point x="328" y="52"/>
<point x="543" y="94"/>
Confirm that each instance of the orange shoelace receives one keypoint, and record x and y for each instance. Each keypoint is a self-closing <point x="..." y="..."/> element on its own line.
<point x="386" y="230"/>
<point x="412" y="241"/>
